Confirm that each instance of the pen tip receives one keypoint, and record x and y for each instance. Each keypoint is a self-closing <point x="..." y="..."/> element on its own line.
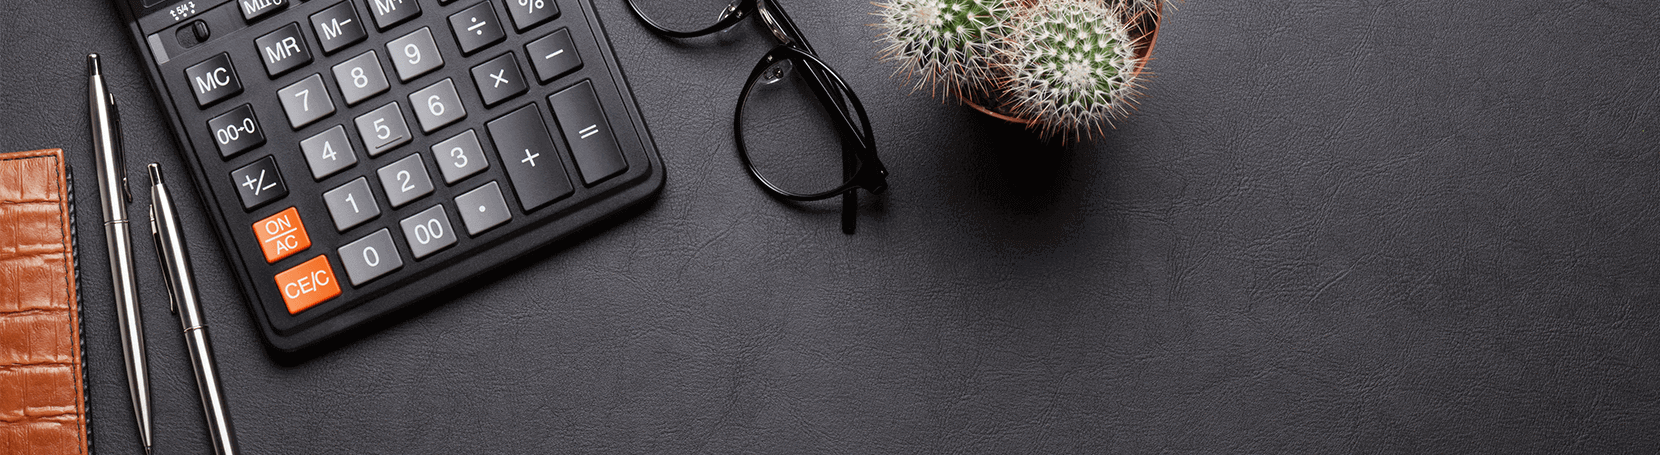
<point x="155" y="174"/>
<point x="92" y="64"/>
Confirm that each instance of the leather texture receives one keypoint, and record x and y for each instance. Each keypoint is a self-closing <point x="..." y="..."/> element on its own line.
<point x="1380" y="226"/>
<point x="42" y="392"/>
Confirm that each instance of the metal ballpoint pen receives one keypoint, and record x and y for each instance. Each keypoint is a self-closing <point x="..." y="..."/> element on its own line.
<point x="112" y="192"/>
<point x="181" y="287"/>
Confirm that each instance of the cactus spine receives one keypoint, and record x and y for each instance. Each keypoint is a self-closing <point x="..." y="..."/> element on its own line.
<point x="945" y="44"/>
<point x="1070" y="67"/>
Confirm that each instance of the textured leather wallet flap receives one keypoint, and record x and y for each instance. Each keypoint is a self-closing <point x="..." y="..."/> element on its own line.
<point x="42" y="388"/>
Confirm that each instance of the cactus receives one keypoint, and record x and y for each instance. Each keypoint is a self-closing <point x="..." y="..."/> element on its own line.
<point x="944" y="44"/>
<point x="1070" y="66"/>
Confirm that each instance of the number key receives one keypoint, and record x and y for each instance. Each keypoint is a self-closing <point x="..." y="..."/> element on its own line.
<point x="383" y="129"/>
<point x="351" y="204"/>
<point x="428" y="232"/>
<point x="328" y="152"/>
<point x="370" y="257"/>
<point x="414" y="54"/>
<point x="437" y="105"/>
<point x="405" y="181"/>
<point x="306" y="101"/>
<point x="360" y="78"/>
<point x="460" y="157"/>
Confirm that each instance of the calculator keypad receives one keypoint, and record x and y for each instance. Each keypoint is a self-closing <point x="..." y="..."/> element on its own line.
<point x="306" y="101"/>
<point x="483" y="209"/>
<point x="370" y="257"/>
<point x="383" y="129"/>
<point x="428" y="232"/>
<point x="283" y="50"/>
<point x="390" y="13"/>
<point x="476" y="28"/>
<point x="405" y="181"/>
<point x="428" y="131"/>
<point x="414" y="54"/>
<point x="236" y="131"/>
<point x="259" y="183"/>
<point x="213" y="79"/>
<point x="338" y="27"/>
<point x="460" y="157"/>
<point x="437" y="106"/>
<point x="530" y="13"/>
<point x="531" y="160"/>
<point x="351" y="204"/>
<point x="588" y="132"/>
<point x="553" y="56"/>
<point x="360" y="78"/>
<point x="328" y="152"/>
<point x="499" y="79"/>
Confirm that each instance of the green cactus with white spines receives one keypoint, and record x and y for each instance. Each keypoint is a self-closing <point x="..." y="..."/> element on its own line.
<point x="1070" y="66"/>
<point x="944" y="44"/>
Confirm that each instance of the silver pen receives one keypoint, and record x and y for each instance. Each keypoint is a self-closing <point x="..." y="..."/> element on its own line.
<point x="112" y="192"/>
<point x="181" y="287"/>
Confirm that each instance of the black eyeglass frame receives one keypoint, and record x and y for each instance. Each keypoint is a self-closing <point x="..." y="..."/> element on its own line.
<point x="861" y="168"/>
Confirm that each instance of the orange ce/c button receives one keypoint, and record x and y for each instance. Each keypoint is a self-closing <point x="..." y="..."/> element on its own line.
<point x="308" y="284"/>
<point x="282" y="235"/>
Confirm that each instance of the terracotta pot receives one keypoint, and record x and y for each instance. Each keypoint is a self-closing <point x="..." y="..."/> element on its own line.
<point x="1144" y="29"/>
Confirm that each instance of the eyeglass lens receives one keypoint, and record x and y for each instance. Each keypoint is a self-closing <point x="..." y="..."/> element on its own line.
<point x="682" y="15"/>
<point x="792" y="138"/>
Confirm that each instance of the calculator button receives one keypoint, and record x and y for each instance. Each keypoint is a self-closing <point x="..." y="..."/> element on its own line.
<point x="254" y="9"/>
<point x="587" y="132"/>
<point x="306" y="101"/>
<point x="236" y="131"/>
<point x="437" y="105"/>
<point x="389" y="13"/>
<point x="281" y="235"/>
<point x="483" y="209"/>
<point x="527" y="151"/>
<point x="383" y="129"/>
<point x="370" y="257"/>
<point x="338" y="27"/>
<point x="405" y="181"/>
<point x="460" y="157"/>
<point x="530" y="13"/>
<point x="308" y="284"/>
<point x="328" y="152"/>
<point x="414" y="54"/>
<point x="283" y="50"/>
<point x="499" y="79"/>
<point x="476" y="28"/>
<point x="213" y="79"/>
<point x="360" y="78"/>
<point x="351" y="204"/>
<point x="259" y="183"/>
<point x="428" y="232"/>
<point x="553" y="55"/>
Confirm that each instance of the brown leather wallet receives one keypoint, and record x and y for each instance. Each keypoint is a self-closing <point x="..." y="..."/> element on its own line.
<point x="42" y="385"/>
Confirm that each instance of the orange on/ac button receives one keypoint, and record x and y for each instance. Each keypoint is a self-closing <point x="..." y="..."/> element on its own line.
<point x="308" y="284"/>
<point x="282" y="235"/>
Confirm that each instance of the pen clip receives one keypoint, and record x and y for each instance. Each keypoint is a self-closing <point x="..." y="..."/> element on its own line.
<point x="120" y="148"/>
<point x="161" y="256"/>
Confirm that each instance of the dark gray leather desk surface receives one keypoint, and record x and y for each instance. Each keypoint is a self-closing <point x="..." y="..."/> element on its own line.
<point x="1382" y="226"/>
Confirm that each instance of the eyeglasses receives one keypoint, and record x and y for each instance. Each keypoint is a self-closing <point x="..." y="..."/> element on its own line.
<point x="795" y="117"/>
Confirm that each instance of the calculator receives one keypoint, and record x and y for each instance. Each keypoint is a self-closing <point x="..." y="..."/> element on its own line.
<point x="358" y="157"/>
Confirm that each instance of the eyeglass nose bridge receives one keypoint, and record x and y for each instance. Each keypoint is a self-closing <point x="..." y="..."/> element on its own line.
<point x="767" y="17"/>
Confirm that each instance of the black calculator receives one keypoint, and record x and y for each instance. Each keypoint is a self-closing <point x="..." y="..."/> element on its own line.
<point x="360" y="156"/>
